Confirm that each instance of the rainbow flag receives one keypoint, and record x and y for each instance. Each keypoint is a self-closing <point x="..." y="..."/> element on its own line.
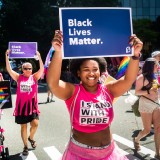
<point x="122" y="67"/>
<point x="48" y="58"/>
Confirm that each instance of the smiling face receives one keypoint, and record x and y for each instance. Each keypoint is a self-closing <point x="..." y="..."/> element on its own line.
<point x="27" y="69"/>
<point x="89" y="74"/>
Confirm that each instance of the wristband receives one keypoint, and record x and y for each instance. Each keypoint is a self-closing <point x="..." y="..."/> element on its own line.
<point x="136" y="58"/>
<point x="148" y="92"/>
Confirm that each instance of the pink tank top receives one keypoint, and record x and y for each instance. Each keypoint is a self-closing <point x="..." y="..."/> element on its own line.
<point x="26" y="101"/>
<point x="92" y="112"/>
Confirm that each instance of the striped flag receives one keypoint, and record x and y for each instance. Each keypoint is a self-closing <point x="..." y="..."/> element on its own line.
<point x="48" y="58"/>
<point x="122" y="67"/>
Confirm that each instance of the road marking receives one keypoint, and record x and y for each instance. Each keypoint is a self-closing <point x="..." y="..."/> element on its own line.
<point x="40" y="86"/>
<point x="53" y="153"/>
<point x="129" y="143"/>
<point x="31" y="156"/>
<point x="129" y="156"/>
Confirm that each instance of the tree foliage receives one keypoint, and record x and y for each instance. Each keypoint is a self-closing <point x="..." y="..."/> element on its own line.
<point x="36" y="20"/>
<point x="149" y="32"/>
<point x="28" y="20"/>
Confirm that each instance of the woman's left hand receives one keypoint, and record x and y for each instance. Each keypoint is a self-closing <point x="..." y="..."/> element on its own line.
<point x="37" y="56"/>
<point x="37" y="53"/>
<point x="137" y="44"/>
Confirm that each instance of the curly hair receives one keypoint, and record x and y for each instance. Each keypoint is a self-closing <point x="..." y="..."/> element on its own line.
<point x="148" y="69"/>
<point x="75" y="64"/>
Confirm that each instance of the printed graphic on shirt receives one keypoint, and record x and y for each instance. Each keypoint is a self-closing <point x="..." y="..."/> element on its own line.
<point x="26" y="86"/>
<point x="94" y="113"/>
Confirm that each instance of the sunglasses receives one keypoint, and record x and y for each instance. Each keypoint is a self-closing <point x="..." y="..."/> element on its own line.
<point x="27" y="68"/>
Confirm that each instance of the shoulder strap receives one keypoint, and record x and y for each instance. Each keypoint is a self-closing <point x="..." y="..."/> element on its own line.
<point x="149" y="83"/>
<point x="143" y="81"/>
<point x="151" y="100"/>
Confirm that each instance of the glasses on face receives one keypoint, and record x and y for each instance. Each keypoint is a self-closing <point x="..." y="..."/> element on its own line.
<point x="27" y="68"/>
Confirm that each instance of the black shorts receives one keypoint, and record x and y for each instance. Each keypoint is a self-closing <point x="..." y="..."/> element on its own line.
<point x="26" y="119"/>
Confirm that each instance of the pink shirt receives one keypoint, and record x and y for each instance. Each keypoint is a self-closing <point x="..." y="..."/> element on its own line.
<point x="92" y="112"/>
<point x="26" y="101"/>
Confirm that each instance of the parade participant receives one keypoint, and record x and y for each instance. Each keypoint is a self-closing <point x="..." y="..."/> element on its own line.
<point x="26" y="110"/>
<point x="49" y="93"/>
<point x="1" y="77"/>
<point x="90" y="103"/>
<point x="156" y="55"/>
<point x="147" y="89"/>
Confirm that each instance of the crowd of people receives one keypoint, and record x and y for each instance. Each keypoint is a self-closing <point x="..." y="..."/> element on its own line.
<point x="91" y="137"/>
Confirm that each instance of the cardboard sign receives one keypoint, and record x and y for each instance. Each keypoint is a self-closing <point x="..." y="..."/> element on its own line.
<point x="5" y="95"/>
<point x="96" y="32"/>
<point x="22" y="49"/>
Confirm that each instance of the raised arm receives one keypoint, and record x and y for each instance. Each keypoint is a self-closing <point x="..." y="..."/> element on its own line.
<point x="61" y="89"/>
<point x="11" y="72"/>
<point x="1" y="77"/>
<point x="39" y="73"/>
<point x="119" y="87"/>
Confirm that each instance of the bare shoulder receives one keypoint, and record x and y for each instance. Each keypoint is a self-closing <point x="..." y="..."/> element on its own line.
<point x="140" y="77"/>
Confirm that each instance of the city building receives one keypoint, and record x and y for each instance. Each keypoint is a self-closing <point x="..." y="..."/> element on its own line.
<point x="142" y="9"/>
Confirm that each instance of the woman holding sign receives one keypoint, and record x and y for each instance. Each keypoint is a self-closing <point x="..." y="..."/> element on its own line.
<point x="90" y="103"/>
<point x="26" y="110"/>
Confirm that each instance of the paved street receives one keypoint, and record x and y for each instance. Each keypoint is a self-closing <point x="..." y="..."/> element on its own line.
<point x="54" y="128"/>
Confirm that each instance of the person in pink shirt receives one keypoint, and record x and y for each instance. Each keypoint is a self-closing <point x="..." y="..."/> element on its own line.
<point x="90" y="103"/>
<point x="26" y="109"/>
<point x="1" y="77"/>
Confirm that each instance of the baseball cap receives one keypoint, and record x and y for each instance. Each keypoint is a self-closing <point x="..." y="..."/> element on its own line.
<point x="155" y="53"/>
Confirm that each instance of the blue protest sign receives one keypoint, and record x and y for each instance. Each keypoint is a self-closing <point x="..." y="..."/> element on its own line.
<point x="22" y="49"/>
<point x="96" y="32"/>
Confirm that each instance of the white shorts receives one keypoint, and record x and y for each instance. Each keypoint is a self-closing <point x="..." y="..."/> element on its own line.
<point x="147" y="106"/>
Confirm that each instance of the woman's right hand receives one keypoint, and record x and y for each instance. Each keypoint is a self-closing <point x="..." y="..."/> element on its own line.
<point x="57" y="41"/>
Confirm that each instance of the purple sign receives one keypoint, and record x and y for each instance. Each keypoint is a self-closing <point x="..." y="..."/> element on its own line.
<point x="22" y="49"/>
